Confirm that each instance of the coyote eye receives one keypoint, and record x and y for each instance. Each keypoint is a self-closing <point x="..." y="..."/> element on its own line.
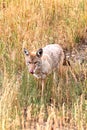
<point x="28" y="63"/>
<point x="35" y="62"/>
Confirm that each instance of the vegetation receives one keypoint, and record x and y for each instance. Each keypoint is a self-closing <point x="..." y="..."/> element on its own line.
<point x="33" y="24"/>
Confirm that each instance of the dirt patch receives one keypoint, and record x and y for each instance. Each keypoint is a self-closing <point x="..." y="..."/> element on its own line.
<point x="78" y="54"/>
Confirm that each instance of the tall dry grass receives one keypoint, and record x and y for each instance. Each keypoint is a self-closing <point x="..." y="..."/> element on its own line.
<point x="33" y="24"/>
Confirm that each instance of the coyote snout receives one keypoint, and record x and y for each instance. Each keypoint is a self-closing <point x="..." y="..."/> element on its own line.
<point x="44" y="61"/>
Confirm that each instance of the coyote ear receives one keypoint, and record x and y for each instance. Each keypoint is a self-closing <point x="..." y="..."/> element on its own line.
<point x="39" y="52"/>
<point x="26" y="52"/>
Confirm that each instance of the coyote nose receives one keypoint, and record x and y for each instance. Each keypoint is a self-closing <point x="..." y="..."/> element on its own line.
<point x="31" y="71"/>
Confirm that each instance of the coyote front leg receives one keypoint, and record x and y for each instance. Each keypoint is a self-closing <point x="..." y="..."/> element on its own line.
<point x="43" y="85"/>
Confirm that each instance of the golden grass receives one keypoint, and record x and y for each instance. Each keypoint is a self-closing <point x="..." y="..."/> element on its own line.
<point x="33" y="24"/>
<point x="8" y="101"/>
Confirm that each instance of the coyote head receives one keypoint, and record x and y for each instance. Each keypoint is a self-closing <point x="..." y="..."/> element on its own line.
<point x="33" y="60"/>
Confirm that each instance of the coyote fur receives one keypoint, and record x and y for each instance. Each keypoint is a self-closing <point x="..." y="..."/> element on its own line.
<point x="44" y="61"/>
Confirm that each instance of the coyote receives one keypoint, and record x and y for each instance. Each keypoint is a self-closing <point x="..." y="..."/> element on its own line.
<point x="44" y="61"/>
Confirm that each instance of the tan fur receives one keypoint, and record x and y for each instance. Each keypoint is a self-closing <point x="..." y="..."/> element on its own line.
<point x="41" y="64"/>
